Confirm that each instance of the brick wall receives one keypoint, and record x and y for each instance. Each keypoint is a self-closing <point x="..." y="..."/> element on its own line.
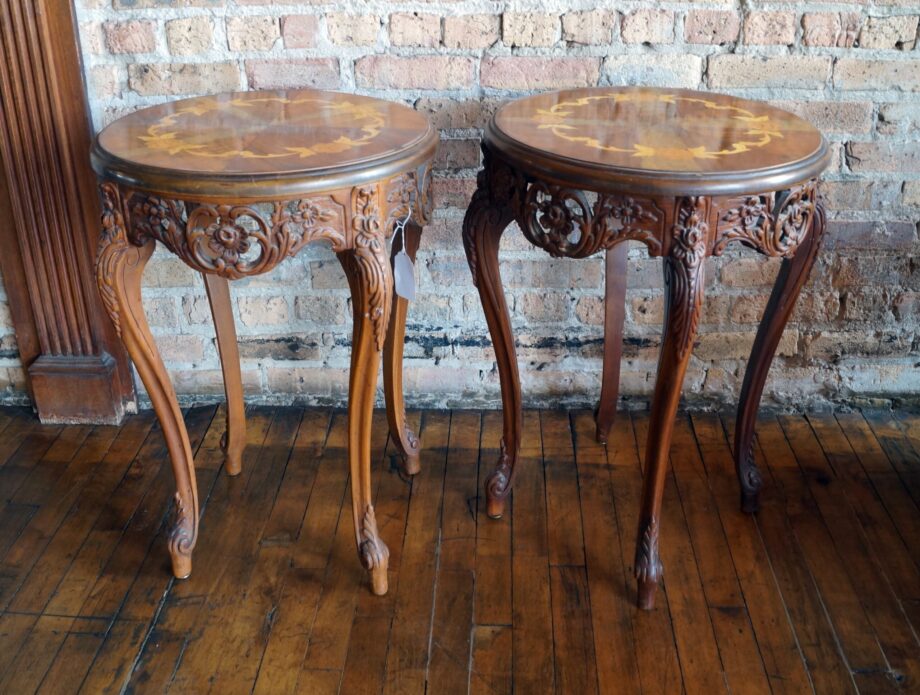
<point x="852" y="68"/>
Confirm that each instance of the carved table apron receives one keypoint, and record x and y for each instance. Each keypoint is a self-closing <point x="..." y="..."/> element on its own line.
<point x="233" y="185"/>
<point x="685" y="173"/>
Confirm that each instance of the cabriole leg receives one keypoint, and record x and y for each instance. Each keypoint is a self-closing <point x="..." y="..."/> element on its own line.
<point x="789" y="282"/>
<point x="483" y="225"/>
<point x="119" y="267"/>
<point x="683" y="276"/>
<point x="371" y="281"/>
<point x="404" y="438"/>
<point x="234" y="439"/>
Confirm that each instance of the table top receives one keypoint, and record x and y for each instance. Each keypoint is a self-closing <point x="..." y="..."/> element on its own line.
<point x="669" y="141"/>
<point x="263" y="143"/>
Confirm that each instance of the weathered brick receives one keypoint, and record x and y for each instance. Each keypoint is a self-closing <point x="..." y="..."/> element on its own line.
<point x="529" y="29"/>
<point x="899" y="31"/>
<point x="105" y="81"/>
<point x="263" y="311"/>
<point x="471" y="31"/>
<point x="769" y="28"/>
<point x="299" y="30"/>
<point x="524" y="72"/>
<point x="415" y="29"/>
<point x="795" y="72"/>
<point x="648" y="26"/>
<point x="544" y="307"/>
<point x="91" y="37"/>
<point x="323" y="309"/>
<point x="189" y="36"/>
<point x="591" y="27"/>
<point x="353" y="30"/>
<point x="183" y="78"/>
<point x="417" y="72"/>
<point x="712" y="27"/>
<point x="899" y="117"/>
<point x="911" y="193"/>
<point x="135" y="36"/>
<point x="831" y="28"/>
<point x="883" y="156"/>
<point x="457" y="154"/>
<point x="659" y="70"/>
<point x="833" y="116"/>
<point x="449" y="113"/>
<point x="252" y="33"/>
<point x="750" y="272"/>
<point x="858" y="73"/>
<point x="320" y="73"/>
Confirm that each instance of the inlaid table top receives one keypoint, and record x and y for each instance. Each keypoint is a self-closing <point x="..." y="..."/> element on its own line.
<point x="658" y="140"/>
<point x="263" y="143"/>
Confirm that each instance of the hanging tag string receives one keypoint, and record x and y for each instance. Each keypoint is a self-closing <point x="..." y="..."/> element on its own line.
<point x="401" y="228"/>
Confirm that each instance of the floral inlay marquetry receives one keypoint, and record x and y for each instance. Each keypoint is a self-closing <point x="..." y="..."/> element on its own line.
<point x="174" y="132"/>
<point x="566" y="121"/>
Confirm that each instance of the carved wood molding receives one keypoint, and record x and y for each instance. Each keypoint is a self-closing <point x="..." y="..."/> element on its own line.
<point x="78" y="370"/>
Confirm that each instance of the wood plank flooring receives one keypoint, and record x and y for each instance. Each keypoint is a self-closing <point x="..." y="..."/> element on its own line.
<point x="819" y="593"/>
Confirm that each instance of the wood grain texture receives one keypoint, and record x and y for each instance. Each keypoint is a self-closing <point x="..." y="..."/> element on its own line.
<point x="231" y="143"/>
<point x="799" y="598"/>
<point x="77" y="369"/>
<point x="685" y="173"/>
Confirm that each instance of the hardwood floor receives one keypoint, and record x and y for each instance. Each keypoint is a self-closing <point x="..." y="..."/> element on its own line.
<point x="820" y="592"/>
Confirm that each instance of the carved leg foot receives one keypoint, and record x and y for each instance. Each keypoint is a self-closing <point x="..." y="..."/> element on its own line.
<point x="792" y="277"/>
<point x="683" y="275"/>
<point x="614" y="315"/>
<point x="119" y="267"/>
<point x="406" y="441"/>
<point x="371" y="280"/>
<point x="483" y="225"/>
<point x="233" y="441"/>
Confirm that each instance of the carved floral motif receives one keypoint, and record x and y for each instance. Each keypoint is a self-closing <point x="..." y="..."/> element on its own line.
<point x="684" y="270"/>
<point x="221" y="238"/>
<point x="113" y="243"/>
<point x="773" y="225"/>
<point x="564" y="223"/>
<point x="372" y="260"/>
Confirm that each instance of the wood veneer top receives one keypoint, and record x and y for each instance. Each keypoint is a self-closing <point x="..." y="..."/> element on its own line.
<point x="678" y="138"/>
<point x="258" y="136"/>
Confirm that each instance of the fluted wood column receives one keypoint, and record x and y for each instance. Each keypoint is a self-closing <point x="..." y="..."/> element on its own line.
<point x="49" y="220"/>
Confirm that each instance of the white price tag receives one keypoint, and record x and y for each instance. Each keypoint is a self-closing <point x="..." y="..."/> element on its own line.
<point x="403" y="267"/>
<point x="404" y="276"/>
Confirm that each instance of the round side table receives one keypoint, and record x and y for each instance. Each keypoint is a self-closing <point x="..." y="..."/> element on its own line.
<point x="686" y="173"/>
<point x="233" y="184"/>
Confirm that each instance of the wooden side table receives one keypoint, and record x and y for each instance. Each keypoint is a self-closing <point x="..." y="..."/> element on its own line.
<point x="234" y="184"/>
<point x="686" y="173"/>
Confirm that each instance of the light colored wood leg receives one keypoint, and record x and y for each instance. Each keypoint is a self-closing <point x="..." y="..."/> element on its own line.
<point x="371" y="281"/>
<point x="119" y="267"/>
<point x="233" y="441"/>
<point x="406" y="442"/>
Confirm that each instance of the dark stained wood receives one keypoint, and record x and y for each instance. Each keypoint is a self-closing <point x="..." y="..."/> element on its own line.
<point x="687" y="174"/>
<point x="77" y="369"/>
<point x="658" y="141"/>
<point x="614" y="316"/>
<point x="814" y="593"/>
